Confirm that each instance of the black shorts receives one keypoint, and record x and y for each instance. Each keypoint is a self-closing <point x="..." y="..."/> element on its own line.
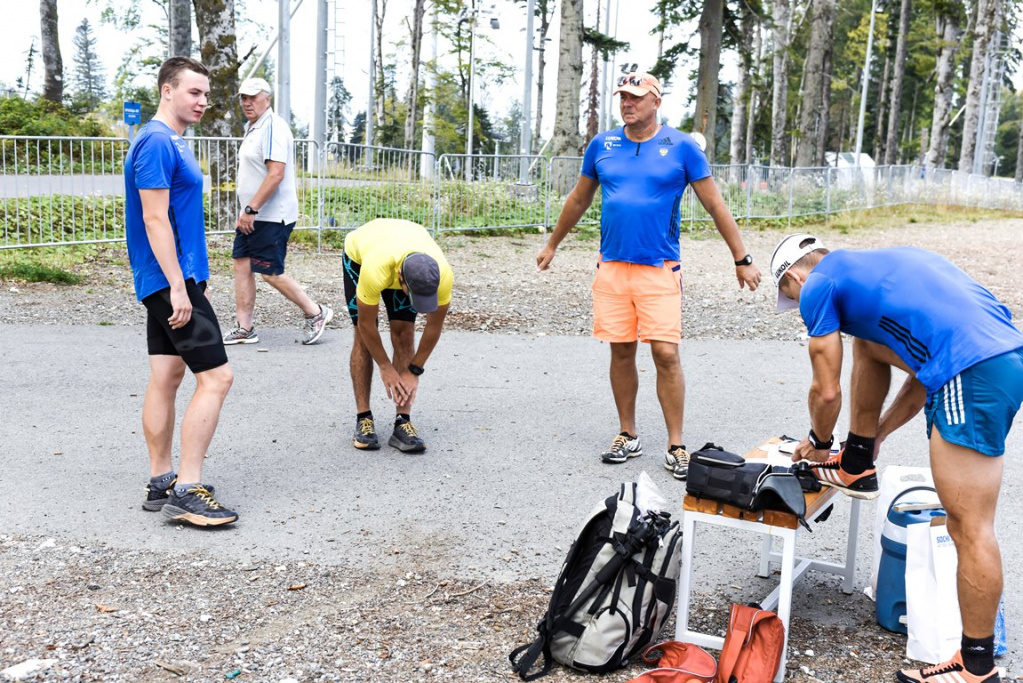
<point x="199" y="343"/>
<point x="265" y="247"/>
<point x="396" y="301"/>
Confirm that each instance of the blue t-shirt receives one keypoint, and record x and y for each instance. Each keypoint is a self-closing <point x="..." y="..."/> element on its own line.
<point x="160" y="159"/>
<point x="641" y="187"/>
<point x="935" y="317"/>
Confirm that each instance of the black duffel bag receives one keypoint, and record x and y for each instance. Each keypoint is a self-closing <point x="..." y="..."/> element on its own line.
<point x="717" y="474"/>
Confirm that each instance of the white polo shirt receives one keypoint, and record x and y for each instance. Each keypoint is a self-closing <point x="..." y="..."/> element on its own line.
<point x="268" y="138"/>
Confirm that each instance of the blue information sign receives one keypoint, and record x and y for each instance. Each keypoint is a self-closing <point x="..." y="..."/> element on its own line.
<point x="132" y="112"/>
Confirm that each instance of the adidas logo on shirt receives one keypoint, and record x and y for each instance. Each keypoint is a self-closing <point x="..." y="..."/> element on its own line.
<point x="666" y="141"/>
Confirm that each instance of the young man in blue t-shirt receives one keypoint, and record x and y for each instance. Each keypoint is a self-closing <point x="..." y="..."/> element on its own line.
<point x="642" y="169"/>
<point x="166" y="236"/>
<point x="913" y="310"/>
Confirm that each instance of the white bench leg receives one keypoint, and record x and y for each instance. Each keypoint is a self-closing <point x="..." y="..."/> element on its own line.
<point x="788" y="563"/>
<point x="685" y="576"/>
<point x="766" y="546"/>
<point x="850" y="548"/>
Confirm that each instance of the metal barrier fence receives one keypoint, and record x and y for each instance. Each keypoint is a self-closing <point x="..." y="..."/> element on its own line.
<point x="70" y="190"/>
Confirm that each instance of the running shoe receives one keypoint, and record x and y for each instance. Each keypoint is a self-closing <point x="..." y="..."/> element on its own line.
<point x="622" y="448"/>
<point x="677" y="460"/>
<point x="156" y="497"/>
<point x="951" y="671"/>
<point x="830" y="473"/>
<point x="365" y="435"/>
<point x="240" y="335"/>
<point x="405" y="438"/>
<point x="315" y="325"/>
<point x="198" y="507"/>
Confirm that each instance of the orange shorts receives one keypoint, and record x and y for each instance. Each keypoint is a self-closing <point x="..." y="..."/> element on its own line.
<point x="634" y="301"/>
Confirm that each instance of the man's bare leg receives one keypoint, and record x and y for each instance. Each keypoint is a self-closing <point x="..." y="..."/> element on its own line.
<point x="244" y="292"/>
<point x="165" y="375"/>
<point x="293" y="292"/>
<point x="671" y="388"/>
<point x="201" y="418"/>
<point x="625" y="384"/>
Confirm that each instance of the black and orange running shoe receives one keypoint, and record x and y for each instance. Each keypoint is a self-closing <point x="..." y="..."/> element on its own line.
<point x="862" y="485"/>
<point x="951" y="671"/>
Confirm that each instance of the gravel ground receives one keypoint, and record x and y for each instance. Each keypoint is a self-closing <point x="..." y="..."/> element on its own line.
<point x="99" y="613"/>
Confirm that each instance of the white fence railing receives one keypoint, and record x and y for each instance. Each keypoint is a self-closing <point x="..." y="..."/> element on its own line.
<point x="64" y="190"/>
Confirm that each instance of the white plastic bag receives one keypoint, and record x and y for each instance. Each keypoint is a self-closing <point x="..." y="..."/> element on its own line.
<point x="648" y="496"/>
<point x="932" y="603"/>
<point x="894" y="480"/>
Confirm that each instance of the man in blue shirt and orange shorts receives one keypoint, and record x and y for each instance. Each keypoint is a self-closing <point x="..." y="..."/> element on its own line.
<point x="642" y="169"/>
<point x="912" y="309"/>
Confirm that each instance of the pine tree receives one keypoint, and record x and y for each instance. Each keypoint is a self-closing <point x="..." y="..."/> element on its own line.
<point x="89" y="89"/>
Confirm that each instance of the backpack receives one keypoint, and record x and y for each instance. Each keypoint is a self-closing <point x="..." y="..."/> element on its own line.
<point x="719" y="475"/>
<point x="753" y="647"/>
<point x="677" y="662"/>
<point x="615" y="591"/>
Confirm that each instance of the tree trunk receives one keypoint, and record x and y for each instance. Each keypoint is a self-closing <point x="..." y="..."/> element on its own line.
<point x="179" y="17"/>
<point x="1019" y="151"/>
<point x="780" y="93"/>
<point x="53" y="83"/>
<point x="218" y="50"/>
<point x="881" y="111"/>
<point x="565" y="141"/>
<point x="813" y="112"/>
<point x="378" y="78"/>
<point x="982" y="32"/>
<point x="944" y="90"/>
<point x="755" y="93"/>
<point x="737" y="144"/>
<point x="593" y="98"/>
<point x="541" y="66"/>
<point x="711" y="21"/>
<point x="412" y="100"/>
<point x="822" y="134"/>
<point x="892" y="144"/>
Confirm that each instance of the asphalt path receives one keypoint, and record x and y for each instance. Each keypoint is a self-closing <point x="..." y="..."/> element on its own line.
<point x="513" y="423"/>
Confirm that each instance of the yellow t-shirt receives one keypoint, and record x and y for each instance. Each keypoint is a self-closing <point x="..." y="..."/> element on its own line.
<point x="380" y="246"/>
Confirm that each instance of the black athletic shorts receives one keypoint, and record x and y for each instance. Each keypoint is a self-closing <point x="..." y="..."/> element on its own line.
<point x="396" y="301"/>
<point x="199" y="343"/>
<point x="265" y="247"/>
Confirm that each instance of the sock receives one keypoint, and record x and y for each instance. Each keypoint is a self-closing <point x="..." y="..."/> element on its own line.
<point x="402" y="418"/>
<point x="858" y="456"/>
<point x="359" y="416"/>
<point x="627" y="435"/>
<point x="181" y="489"/>
<point x="162" y="481"/>
<point x="978" y="654"/>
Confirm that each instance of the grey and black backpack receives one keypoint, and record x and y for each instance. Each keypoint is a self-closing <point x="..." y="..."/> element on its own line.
<point x="615" y="591"/>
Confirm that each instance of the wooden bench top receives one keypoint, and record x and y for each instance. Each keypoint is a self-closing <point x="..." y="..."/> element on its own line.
<point x="814" y="502"/>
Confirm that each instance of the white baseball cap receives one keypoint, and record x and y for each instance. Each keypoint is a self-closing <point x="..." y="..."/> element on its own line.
<point x="254" y="86"/>
<point x="788" y="251"/>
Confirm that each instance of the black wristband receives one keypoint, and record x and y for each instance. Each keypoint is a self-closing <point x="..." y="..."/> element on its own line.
<point x="747" y="260"/>
<point x="817" y="444"/>
<point x="416" y="369"/>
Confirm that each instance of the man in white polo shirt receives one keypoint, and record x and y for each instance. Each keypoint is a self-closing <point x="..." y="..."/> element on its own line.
<point x="268" y="203"/>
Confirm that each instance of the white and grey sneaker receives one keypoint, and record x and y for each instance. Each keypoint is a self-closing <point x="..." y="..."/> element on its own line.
<point x="240" y="335"/>
<point x="622" y="448"/>
<point x="677" y="461"/>
<point x="315" y="325"/>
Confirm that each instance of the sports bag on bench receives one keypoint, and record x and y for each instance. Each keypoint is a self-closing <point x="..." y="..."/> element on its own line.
<point x="615" y="591"/>
<point x="719" y="475"/>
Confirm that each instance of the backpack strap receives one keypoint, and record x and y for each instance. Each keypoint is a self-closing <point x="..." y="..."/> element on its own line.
<point x="740" y="627"/>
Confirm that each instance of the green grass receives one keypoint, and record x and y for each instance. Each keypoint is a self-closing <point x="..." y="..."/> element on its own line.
<point x="35" y="272"/>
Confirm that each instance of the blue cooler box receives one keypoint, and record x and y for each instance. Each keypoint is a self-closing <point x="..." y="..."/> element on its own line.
<point x="891" y="576"/>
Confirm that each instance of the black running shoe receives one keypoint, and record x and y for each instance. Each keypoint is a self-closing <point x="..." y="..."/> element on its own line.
<point x="405" y="438"/>
<point x="365" y="435"/>
<point x="156" y="497"/>
<point x="198" y="507"/>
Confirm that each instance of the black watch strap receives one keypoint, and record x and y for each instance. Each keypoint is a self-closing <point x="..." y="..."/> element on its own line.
<point x="747" y="260"/>
<point x="416" y="369"/>
<point x="249" y="210"/>
<point x="817" y="444"/>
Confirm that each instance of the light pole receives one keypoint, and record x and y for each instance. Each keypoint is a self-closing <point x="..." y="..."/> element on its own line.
<point x="866" y="82"/>
<point x="525" y="141"/>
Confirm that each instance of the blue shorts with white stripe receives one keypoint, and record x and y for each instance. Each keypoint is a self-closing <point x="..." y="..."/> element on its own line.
<point x="976" y="408"/>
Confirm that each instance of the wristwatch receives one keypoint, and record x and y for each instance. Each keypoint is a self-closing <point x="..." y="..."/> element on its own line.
<point x="747" y="260"/>
<point x="250" y="211"/>
<point x="416" y="369"/>
<point x="817" y="444"/>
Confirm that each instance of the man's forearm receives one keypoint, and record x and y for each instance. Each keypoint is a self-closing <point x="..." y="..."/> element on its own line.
<point x="370" y="336"/>
<point x="164" y="245"/>
<point x="824" y="411"/>
<point x="266" y="190"/>
<point x="428" y="340"/>
<point x="908" y="402"/>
